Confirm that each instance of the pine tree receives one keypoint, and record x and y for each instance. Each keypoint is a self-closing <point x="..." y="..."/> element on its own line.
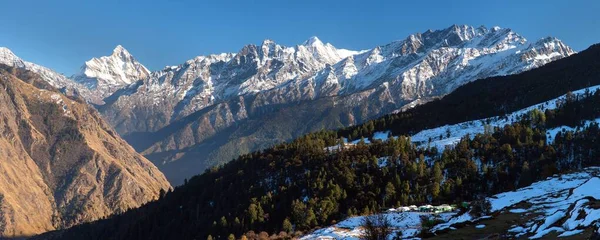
<point x="223" y="222"/>
<point x="390" y="192"/>
<point x="252" y="213"/>
<point x="287" y="225"/>
<point x="435" y="190"/>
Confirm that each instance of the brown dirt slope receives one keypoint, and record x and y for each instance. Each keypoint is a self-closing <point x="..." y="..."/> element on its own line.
<point x="60" y="163"/>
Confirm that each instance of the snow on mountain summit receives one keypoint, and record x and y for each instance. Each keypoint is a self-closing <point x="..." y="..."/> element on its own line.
<point x="57" y="80"/>
<point x="107" y="74"/>
<point x="326" y="51"/>
<point x="314" y="40"/>
<point x="9" y="58"/>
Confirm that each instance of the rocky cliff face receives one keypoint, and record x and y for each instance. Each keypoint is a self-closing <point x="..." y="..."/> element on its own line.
<point x="60" y="163"/>
<point x="105" y="75"/>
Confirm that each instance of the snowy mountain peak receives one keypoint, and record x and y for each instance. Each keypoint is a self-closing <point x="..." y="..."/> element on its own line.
<point x="465" y="32"/>
<point x="9" y="58"/>
<point x="267" y="42"/>
<point x="269" y="47"/>
<point x="107" y="74"/>
<point x="552" y="42"/>
<point x="545" y="50"/>
<point x="312" y="41"/>
<point x="120" y="51"/>
<point x="55" y="79"/>
<point x="6" y="52"/>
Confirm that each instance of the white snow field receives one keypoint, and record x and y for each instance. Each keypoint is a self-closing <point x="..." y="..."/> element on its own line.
<point x="408" y="224"/>
<point x="560" y="204"/>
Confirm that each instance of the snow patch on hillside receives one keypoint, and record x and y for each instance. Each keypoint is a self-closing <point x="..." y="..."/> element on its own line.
<point x="450" y="134"/>
<point x="406" y="223"/>
<point x="558" y="204"/>
<point x="551" y="133"/>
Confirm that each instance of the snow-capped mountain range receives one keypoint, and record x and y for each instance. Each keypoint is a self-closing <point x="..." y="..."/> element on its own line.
<point x="207" y="94"/>
<point x="423" y="65"/>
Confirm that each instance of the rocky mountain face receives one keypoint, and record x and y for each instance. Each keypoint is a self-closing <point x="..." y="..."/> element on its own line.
<point x="61" y="164"/>
<point x="209" y="109"/>
<point x="105" y="75"/>
<point x="204" y="81"/>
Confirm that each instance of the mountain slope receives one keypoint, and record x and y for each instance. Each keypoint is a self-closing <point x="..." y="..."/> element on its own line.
<point x="53" y="78"/>
<point x="207" y="111"/>
<point x="562" y="207"/>
<point x="61" y="164"/>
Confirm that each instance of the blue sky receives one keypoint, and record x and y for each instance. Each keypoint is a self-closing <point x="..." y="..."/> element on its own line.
<point x="63" y="34"/>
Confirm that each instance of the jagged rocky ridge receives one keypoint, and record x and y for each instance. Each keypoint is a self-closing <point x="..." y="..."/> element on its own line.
<point x="212" y="108"/>
<point x="423" y="65"/>
<point x="105" y="75"/>
<point x="61" y="164"/>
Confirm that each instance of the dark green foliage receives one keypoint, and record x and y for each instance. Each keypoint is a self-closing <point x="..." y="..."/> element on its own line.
<point x="287" y="226"/>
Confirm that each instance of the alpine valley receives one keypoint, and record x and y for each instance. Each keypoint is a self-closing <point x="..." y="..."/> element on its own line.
<point x="208" y="110"/>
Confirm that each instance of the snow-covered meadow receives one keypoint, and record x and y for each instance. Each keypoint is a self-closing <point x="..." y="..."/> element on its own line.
<point x="560" y="204"/>
<point x="404" y="225"/>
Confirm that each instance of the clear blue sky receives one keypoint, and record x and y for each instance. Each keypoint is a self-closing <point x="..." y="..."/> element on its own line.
<point x="63" y="34"/>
